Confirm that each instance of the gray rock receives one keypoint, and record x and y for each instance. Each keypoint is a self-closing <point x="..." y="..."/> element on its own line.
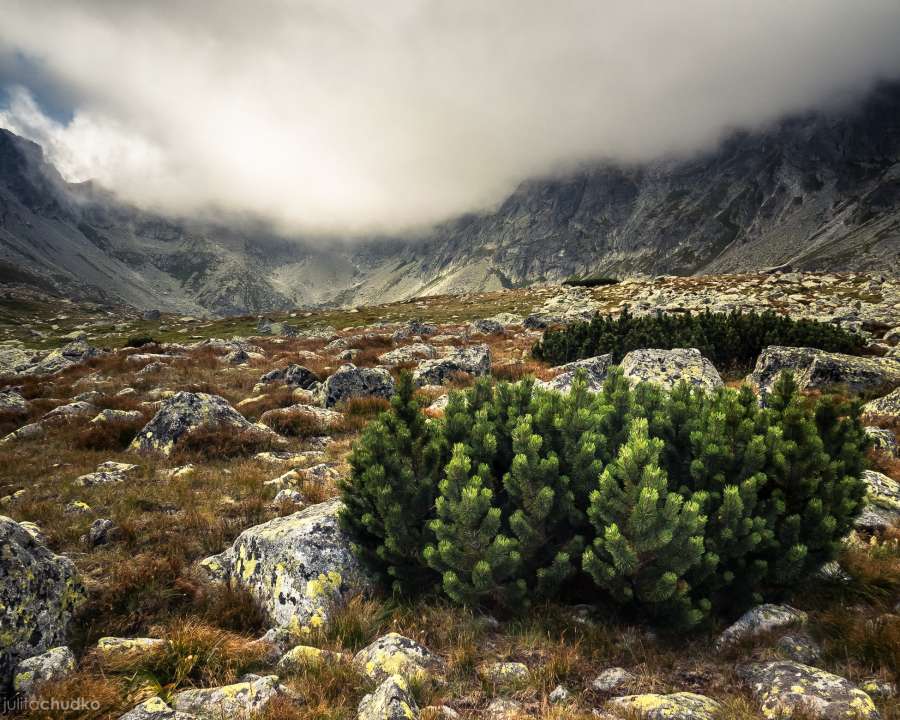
<point x="669" y="367"/>
<point x="107" y="473"/>
<point x="100" y="532"/>
<point x="71" y="410"/>
<point x="595" y="369"/>
<point x="288" y="495"/>
<point x="392" y="700"/>
<point x="293" y="375"/>
<point x="268" y="327"/>
<point x="251" y="695"/>
<point x="54" y="664"/>
<point x="408" y="354"/>
<point x="485" y="326"/>
<point x="474" y="360"/>
<point x="394" y="654"/>
<point x="882" y="508"/>
<point x="117" y="416"/>
<point x="65" y="357"/>
<point x="414" y="328"/>
<point x="31" y="431"/>
<point x="151" y="315"/>
<point x="317" y="417"/>
<point x="799" y="647"/>
<point x="883" y="440"/>
<point x="503" y="709"/>
<point x="184" y="413"/>
<point x="816" y="369"/>
<point x="38" y="594"/>
<point x="154" y="709"/>
<point x="298" y="567"/>
<point x="117" y="648"/>
<point x="558" y="695"/>
<point x="889" y="405"/>
<point x="504" y="673"/>
<point x="12" y="402"/>
<point x="677" y="706"/>
<point x="760" y="620"/>
<point x="783" y="686"/>
<point x="350" y="381"/>
<point x="14" y="360"/>
<point x="612" y="680"/>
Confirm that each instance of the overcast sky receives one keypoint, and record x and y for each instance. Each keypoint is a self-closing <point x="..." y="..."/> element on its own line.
<point x="361" y="115"/>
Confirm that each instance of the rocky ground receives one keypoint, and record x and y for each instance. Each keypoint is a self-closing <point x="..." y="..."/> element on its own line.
<point x="168" y="544"/>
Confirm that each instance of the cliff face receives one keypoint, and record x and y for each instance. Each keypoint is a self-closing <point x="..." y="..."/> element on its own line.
<point x="820" y="191"/>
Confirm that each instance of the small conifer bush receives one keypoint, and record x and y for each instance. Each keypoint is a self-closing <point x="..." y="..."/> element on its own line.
<point x="673" y="504"/>
<point x="730" y="340"/>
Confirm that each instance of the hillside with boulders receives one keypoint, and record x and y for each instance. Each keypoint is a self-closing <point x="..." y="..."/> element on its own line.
<point x="673" y="497"/>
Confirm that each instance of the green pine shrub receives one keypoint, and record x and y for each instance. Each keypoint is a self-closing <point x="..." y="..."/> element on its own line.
<point x="673" y="504"/>
<point x="732" y="341"/>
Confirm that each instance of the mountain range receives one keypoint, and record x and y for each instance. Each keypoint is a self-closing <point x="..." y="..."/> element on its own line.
<point x="818" y="191"/>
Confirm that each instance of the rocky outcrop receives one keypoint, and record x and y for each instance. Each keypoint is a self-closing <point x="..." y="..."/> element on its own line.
<point x="474" y="360"/>
<point x="54" y="664"/>
<point x="760" y="620"/>
<point x="392" y="700"/>
<point x="784" y="686"/>
<point x="677" y="706"/>
<point x="38" y="593"/>
<point x="669" y="367"/>
<point x="816" y="369"/>
<point x="595" y="371"/>
<point x="350" y="382"/>
<point x="184" y="413"/>
<point x="298" y="567"/>
<point x="882" y="506"/>
<point x="394" y="654"/>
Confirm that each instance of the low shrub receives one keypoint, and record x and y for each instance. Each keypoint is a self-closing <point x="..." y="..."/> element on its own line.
<point x="732" y="341"/>
<point x="672" y="504"/>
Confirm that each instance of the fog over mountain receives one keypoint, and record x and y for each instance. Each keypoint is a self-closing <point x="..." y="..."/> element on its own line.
<point x="355" y="118"/>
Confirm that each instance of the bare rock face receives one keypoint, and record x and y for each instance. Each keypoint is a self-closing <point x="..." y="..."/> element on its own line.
<point x="784" y="686"/>
<point x="669" y="367"/>
<point x="816" y="369"/>
<point x="474" y="360"/>
<point x="298" y="567"/>
<point x="350" y="381"/>
<point x="183" y="413"/>
<point x="38" y="593"/>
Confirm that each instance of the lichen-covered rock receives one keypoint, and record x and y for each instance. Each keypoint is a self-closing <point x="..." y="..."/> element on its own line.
<point x="882" y="506"/>
<point x="251" y="695"/>
<point x="115" y="649"/>
<point x="392" y="700"/>
<point x="595" y="371"/>
<point x="31" y="431"/>
<point x="889" y="405"/>
<point x="153" y="709"/>
<point x="816" y="369"/>
<point x="799" y="647"/>
<point x="414" y="328"/>
<point x="65" y="357"/>
<point x="350" y="381"/>
<point x="760" y="620"/>
<point x="71" y="410"/>
<point x="474" y="360"/>
<point x="408" y="354"/>
<point x="301" y="656"/>
<point x="486" y="326"/>
<point x="14" y="360"/>
<point x="508" y="674"/>
<point x="503" y="709"/>
<point x="54" y="664"/>
<point x="106" y="473"/>
<point x="669" y="367"/>
<point x="38" y="593"/>
<point x="11" y="401"/>
<point x="100" y="532"/>
<point x="117" y="416"/>
<point x="677" y="706"/>
<point x="298" y="567"/>
<point x="783" y="686"/>
<point x="884" y="441"/>
<point x="293" y="375"/>
<point x="183" y="413"/>
<point x="394" y="654"/>
<point x="612" y="680"/>
<point x="319" y="419"/>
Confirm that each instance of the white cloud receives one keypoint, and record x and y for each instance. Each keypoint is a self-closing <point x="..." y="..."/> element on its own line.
<point x="349" y="116"/>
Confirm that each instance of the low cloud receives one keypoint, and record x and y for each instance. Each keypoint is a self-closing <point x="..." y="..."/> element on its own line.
<point x="345" y="116"/>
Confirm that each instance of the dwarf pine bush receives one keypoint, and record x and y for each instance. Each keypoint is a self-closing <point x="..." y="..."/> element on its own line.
<point x="730" y="340"/>
<point x="674" y="504"/>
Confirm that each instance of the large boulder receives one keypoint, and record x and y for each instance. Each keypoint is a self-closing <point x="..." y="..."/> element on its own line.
<point x="882" y="508"/>
<point x="677" y="706"/>
<point x="350" y="381"/>
<point x="474" y="360"/>
<point x="293" y="375"/>
<point x="816" y="369"/>
<point x="298" y="567"/>
<point x="669" y="367"/>
<point x="183" y="413"/>
<point x="595" y="370"/>
<point x="889" y="405"/>
<point x="784" y="686"/>
<point x="38" y="593"/>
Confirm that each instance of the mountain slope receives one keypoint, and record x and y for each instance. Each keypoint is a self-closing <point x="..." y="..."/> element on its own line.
<point x="820" y="191"/>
